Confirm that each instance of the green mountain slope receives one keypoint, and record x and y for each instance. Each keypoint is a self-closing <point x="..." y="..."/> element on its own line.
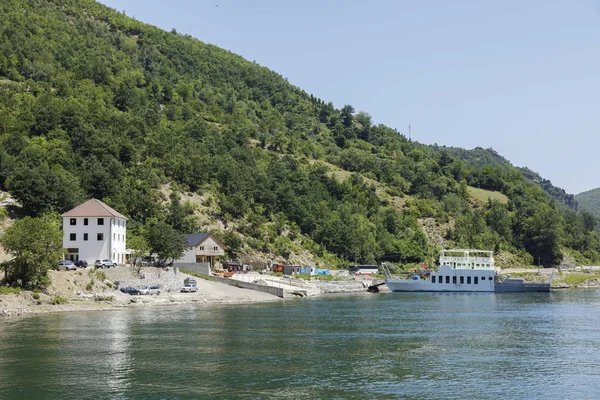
<point x="590" y="201"/>
<point x="93" y="103"/>
<point x="479" y="157"/>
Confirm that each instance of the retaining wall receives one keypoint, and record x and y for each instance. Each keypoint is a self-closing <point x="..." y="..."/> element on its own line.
<point x="199" y="268"/>
<point x="279" y="292"/>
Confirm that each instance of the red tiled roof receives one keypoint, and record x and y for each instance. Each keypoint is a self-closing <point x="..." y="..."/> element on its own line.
<point x="93" y="208"/>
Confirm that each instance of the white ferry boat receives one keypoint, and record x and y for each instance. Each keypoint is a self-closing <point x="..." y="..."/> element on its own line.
<point x="461" y="270"/>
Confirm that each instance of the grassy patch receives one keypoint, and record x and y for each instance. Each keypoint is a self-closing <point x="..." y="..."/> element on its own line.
<point x="483" y="195"/>
<point x="201" y="276"/>
<point x="576" y="279"/>
<point x="9" y="290"/>
<point x="528" y="276"/>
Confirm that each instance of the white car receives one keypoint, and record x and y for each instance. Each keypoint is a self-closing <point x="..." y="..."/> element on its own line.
<point x="150" y="290"/>
<point x="104" y="263"/>
<point x="67" y="265"/>
<point x="189" y="288"/>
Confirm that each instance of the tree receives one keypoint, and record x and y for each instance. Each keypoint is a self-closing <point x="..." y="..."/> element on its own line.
<point x="180" y="216"/>
<point x="139" y="247"/>
<point x="36" y="245"/>
<point x="347" y="115"/>
<point x="164" y="240"/>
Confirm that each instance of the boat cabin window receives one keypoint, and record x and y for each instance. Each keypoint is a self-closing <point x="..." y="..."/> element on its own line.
<point x="468" y="280"/>
<point x="453" y="279"/>
<point x="433" y="279"/>
<point x="448" y="279"/>
<point x="476" y="280"/>
<point x="462" y="280"/>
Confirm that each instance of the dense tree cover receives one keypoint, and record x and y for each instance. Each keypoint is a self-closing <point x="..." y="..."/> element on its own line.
<point x="35" y="244"/>
<point x="479" y="157"/>
<point x="590" y="201"/>
<point x="93" y="103"/>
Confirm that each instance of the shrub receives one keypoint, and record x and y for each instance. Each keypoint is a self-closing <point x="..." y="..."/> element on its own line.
<point x="36" y="296"/>
<point x="102" y="297"/>
<point x="58" y="300"/>
<point x="90" y="286"/>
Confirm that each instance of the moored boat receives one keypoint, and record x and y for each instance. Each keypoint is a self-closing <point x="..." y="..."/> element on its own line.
<point x="461" y="270"/>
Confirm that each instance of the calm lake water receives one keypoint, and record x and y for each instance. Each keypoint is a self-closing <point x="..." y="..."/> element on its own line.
<point x="395" y="345"/>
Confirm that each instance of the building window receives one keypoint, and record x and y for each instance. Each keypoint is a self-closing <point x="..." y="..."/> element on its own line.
<point x="483" y="278"/>
<point x="100" y="221"/>
<point x="468" y="280"/>
<point x="462" y="280"/>
<point x="448" y="279"/>
<point x="476" y="280"/>
<point x="85" y="236"/>
<point x="433" y="279"/>
<point x="441" y="280"/>
<point x="453" y="279"/>
<point x="201" y="248"/>
<point x="100" y="236"/>
<point x="73" y="236"/>
<point x="85" y="221"/>
<point x="216" y="248"/>
<point x="114" y="236"/>
<point x="73" y="221"/>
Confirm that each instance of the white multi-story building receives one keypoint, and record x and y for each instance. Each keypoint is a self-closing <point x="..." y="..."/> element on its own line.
<point x="93" y="231"/>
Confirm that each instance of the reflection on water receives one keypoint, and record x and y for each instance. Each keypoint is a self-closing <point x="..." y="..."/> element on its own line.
<point x="375" y="346"/>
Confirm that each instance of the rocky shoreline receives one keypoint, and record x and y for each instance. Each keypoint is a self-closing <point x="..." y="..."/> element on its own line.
<point x="82" y="291"/>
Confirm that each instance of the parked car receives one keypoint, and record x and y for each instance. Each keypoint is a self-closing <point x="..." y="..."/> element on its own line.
<point x="164" y="264"/>
<point x="150" y="290"/>
<point x="189" y="281"/>
<point x="131" y="291"/>
<point x="67" y="265"/>
<point x="189" y="288"/>
<point x="104" y="263"/>
<point x="81" y="263"/>
<point x="125" y="289"/>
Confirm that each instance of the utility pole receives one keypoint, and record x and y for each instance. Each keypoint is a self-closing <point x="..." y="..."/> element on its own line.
<point x="408" y="131"/>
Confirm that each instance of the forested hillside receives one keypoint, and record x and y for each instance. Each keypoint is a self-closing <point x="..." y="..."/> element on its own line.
<point x="590" y="201"/>
<point x="479" y="158"/>
<point x="96" y="104"/>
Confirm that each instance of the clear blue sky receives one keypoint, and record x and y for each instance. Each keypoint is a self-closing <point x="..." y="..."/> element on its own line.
<point x="522" y="77"/>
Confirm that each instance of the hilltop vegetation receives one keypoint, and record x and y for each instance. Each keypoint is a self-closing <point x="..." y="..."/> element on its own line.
<point x="479" y="158"/>
<point x="96" y="104"/>
<point x="590" y="201"/>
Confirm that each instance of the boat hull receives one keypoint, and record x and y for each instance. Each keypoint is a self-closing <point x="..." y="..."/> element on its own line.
<point x="521" y="287"/>
<point x="407" y="285"/>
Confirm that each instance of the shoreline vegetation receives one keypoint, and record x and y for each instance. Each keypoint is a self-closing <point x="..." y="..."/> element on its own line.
<point x="95" y="290"/>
